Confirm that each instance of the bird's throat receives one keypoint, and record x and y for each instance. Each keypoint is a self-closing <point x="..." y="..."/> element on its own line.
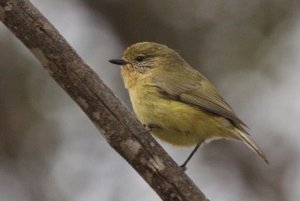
<point x="130" y="76"/>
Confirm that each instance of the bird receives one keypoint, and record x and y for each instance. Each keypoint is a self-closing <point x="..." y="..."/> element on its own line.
<point x="176" y="102"/>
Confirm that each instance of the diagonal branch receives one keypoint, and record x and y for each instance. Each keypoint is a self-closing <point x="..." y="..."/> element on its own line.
<point x="120" y="128"/>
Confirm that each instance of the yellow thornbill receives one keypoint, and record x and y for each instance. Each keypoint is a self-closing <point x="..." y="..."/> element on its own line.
<point x="176" y="102"/>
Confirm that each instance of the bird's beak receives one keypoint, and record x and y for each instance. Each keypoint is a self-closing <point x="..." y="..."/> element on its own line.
<point x="118" y="61"/>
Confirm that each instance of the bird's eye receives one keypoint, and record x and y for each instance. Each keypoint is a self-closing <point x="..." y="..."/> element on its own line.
<point x="140" y="58"/>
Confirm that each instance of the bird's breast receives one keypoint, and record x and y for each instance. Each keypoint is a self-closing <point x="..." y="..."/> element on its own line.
<point x="144" y="99"/>
<point x="174" y="122"/>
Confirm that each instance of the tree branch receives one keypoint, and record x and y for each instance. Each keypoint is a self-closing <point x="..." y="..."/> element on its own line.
<point x="118" y="125"/>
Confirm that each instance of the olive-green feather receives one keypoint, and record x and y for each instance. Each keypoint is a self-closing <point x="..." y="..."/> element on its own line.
<point x="200" y="93"/>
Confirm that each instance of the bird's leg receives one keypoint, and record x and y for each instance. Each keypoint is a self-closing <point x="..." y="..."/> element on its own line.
<point x="183" y="166"/>
<point x="147" y="127"/>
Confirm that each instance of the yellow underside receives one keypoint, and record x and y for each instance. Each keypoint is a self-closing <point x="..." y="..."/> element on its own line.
<point x="178" y="123"/>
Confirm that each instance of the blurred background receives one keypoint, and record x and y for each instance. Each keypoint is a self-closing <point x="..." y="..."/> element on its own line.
<point x="50" y="151"/>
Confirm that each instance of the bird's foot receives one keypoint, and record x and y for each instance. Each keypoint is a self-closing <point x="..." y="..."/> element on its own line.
<point x="183" y="167"/>
<point x="147" y="127"/>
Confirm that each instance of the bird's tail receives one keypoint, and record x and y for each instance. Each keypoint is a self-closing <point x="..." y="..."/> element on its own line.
<point x="244" y="137"/>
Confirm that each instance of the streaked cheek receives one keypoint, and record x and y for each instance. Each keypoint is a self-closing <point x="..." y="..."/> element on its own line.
<point x="127" y="67"/>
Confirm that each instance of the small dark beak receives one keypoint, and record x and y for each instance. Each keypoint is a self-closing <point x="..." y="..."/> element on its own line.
<point x="118" y="61"/>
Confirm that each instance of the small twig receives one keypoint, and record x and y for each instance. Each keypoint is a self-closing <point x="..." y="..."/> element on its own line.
<point x="120" y="128"/>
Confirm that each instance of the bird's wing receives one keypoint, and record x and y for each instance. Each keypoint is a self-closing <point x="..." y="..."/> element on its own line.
<point x="197" y="91"/>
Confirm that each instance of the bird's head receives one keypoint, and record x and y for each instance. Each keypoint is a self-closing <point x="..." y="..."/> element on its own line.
<point x="144" y="57"/>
